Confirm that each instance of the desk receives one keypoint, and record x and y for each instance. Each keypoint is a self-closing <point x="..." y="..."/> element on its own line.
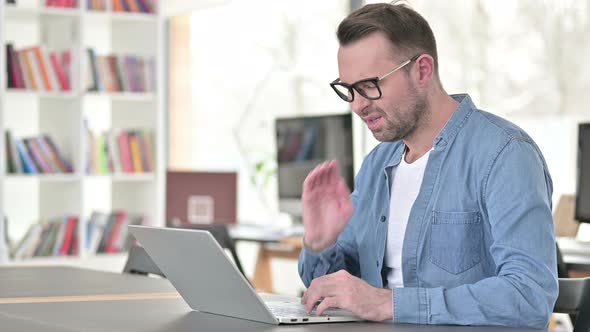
<point x="274" y="243"/>
<point x="576" y="254"/>
<point x="164" y="314"/>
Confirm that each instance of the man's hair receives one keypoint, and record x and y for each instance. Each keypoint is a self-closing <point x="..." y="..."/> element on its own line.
<point x="408" y="31"/>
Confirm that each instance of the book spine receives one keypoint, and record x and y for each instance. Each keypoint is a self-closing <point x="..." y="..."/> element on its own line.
<point x="66" y="64"/>
<point x="46" y="154"/>
<point x="36" y="69"/>
<point x="28" y="63"/>
<point x="10" y="75"/>
<point x="38" y="158"/>
<point x="143" y="148"/>
<point x="16" y="68"/>
<point x="29" y="166"/>
<point x="135" y="152"/>
<point x="65" y="164"/>
<point x="68" y="236"/>
<point x="43" y="68"/>
<point x="125" y="152"/>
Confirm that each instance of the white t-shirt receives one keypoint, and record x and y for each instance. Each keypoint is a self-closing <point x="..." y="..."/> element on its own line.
<point x="407" y="179"/>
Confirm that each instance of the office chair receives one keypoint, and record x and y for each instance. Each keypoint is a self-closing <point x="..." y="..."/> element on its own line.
<point x="562" y="270"/>
<point x="574" y="299"/>
<point x="139" y="262"/>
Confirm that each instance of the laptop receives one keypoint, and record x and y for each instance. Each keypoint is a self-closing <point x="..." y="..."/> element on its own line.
<point x="209" y="282"/>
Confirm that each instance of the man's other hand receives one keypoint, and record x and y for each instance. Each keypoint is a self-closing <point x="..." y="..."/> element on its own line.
<point x="345" y="291"/>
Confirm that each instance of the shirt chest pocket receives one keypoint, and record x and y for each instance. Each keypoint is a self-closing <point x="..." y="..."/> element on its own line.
<point x="455" y="240"/>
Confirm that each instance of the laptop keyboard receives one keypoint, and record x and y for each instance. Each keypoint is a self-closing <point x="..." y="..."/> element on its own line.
<point x="289" y="309"/>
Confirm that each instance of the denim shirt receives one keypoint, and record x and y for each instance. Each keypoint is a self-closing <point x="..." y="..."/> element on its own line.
<point x="479" y="247"/>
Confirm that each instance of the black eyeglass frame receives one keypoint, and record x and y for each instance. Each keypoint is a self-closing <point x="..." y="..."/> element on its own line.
<point x="375" y="80"/>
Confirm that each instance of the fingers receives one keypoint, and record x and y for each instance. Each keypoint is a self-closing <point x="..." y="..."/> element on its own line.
<point x="327" y="303"/>
<point x="322" y="288"/>
<point x="323" y="174"/>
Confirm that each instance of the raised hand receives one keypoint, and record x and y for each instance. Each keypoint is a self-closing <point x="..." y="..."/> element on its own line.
<point x="326" y="206"/>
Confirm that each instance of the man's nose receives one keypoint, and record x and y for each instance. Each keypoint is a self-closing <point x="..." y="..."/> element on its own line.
<point x="359" y="104"/>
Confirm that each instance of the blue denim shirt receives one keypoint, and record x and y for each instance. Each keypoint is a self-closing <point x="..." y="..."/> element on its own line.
<point x="479" y="247"/>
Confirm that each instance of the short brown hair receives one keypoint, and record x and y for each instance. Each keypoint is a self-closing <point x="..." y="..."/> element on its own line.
<point x="408" y="32"/>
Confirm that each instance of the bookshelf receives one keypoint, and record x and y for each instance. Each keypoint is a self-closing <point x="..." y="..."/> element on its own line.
<point x="67" y="115"/>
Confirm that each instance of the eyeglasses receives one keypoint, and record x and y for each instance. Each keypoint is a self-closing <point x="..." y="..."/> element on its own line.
<point x="368" y="87"/>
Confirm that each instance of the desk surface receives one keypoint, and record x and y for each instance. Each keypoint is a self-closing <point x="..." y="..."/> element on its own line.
<point x="166" y="314"/>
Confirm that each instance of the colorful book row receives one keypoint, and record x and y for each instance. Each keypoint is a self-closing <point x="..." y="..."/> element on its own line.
<point x="108" y="232"/>
<point x="120" y="151"/>
<point x="130" y="6"/>
<point x="134" y="6"/>
<point x="123" y="73"/>
<point x="56" y="237"/>
<point x="34" y="155"/>
<point x="105" y="233"/>
<point x="61" y="3"/>
<point x="35" y="68"/>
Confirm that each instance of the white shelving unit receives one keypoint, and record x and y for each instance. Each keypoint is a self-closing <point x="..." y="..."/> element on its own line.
<point x="26" y="199"/>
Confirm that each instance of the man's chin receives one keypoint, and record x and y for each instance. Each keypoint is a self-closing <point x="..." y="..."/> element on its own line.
<point x="385" y="137"/>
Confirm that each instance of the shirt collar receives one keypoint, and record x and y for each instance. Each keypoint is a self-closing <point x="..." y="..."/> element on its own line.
<point x="456" y="122"/>
<point x="449" y="131"/>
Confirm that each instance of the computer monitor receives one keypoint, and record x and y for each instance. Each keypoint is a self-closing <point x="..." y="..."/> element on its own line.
<point x="583" y="174"/>
<point x="302" y="144"/>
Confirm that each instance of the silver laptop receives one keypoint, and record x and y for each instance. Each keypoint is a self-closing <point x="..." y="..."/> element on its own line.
<point x="208" y="280"/>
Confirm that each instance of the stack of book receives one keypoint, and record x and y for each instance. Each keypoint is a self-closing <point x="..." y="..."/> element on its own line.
<point x="61" y="3"/>
<point x="34" y="155"/>
<point x="123" y="73"/>
<point x="120" y="151"/>
<point x="108" y="232"/>
<point x="105" y="233"/>
<point x="56" y="237"/>
<point x="134" y="6"/>
<point x="35" y="68"/>
<point x="99" y="5"/>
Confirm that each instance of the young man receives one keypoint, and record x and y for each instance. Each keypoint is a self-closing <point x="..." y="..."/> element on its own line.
<point x="450" y="220"/>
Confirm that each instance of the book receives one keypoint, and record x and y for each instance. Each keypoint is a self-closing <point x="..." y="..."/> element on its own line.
<point x="16" y="159"/>
<point x="14" y="68"/>
<point x="125" y="152"/>
<point x="10" y="168"/>
<point x="37" y="155"/>
<point x="135" y="152"/>
<point x="92" y="61"/>
<point x="29" y="70"/>
<point x="29" y="166"/>
<point x="47" y="154"/>
<point x="63" y="80"/>
<point x="64" y="164"/>
<point x="36" y="69"/>
<point x="68" y="238"/>
<point x="43" y="67"/>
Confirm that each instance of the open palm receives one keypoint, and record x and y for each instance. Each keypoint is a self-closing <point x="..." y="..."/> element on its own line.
<point x="326" y="206"/>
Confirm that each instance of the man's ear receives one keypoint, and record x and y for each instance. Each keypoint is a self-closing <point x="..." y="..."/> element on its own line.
<point x="425" y="72"/>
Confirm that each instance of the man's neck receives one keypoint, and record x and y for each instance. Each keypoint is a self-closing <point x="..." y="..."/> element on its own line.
<point x="421" y="141"/>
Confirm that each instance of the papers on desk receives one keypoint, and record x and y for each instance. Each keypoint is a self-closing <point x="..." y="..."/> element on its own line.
<point x="571" y="246"/>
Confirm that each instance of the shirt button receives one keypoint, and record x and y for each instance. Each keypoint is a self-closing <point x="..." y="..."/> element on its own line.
<point x="377" y="262"/>
<point x="383" y="218"/>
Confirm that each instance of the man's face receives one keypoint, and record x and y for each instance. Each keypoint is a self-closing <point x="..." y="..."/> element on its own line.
<point x="402" y="108"/>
